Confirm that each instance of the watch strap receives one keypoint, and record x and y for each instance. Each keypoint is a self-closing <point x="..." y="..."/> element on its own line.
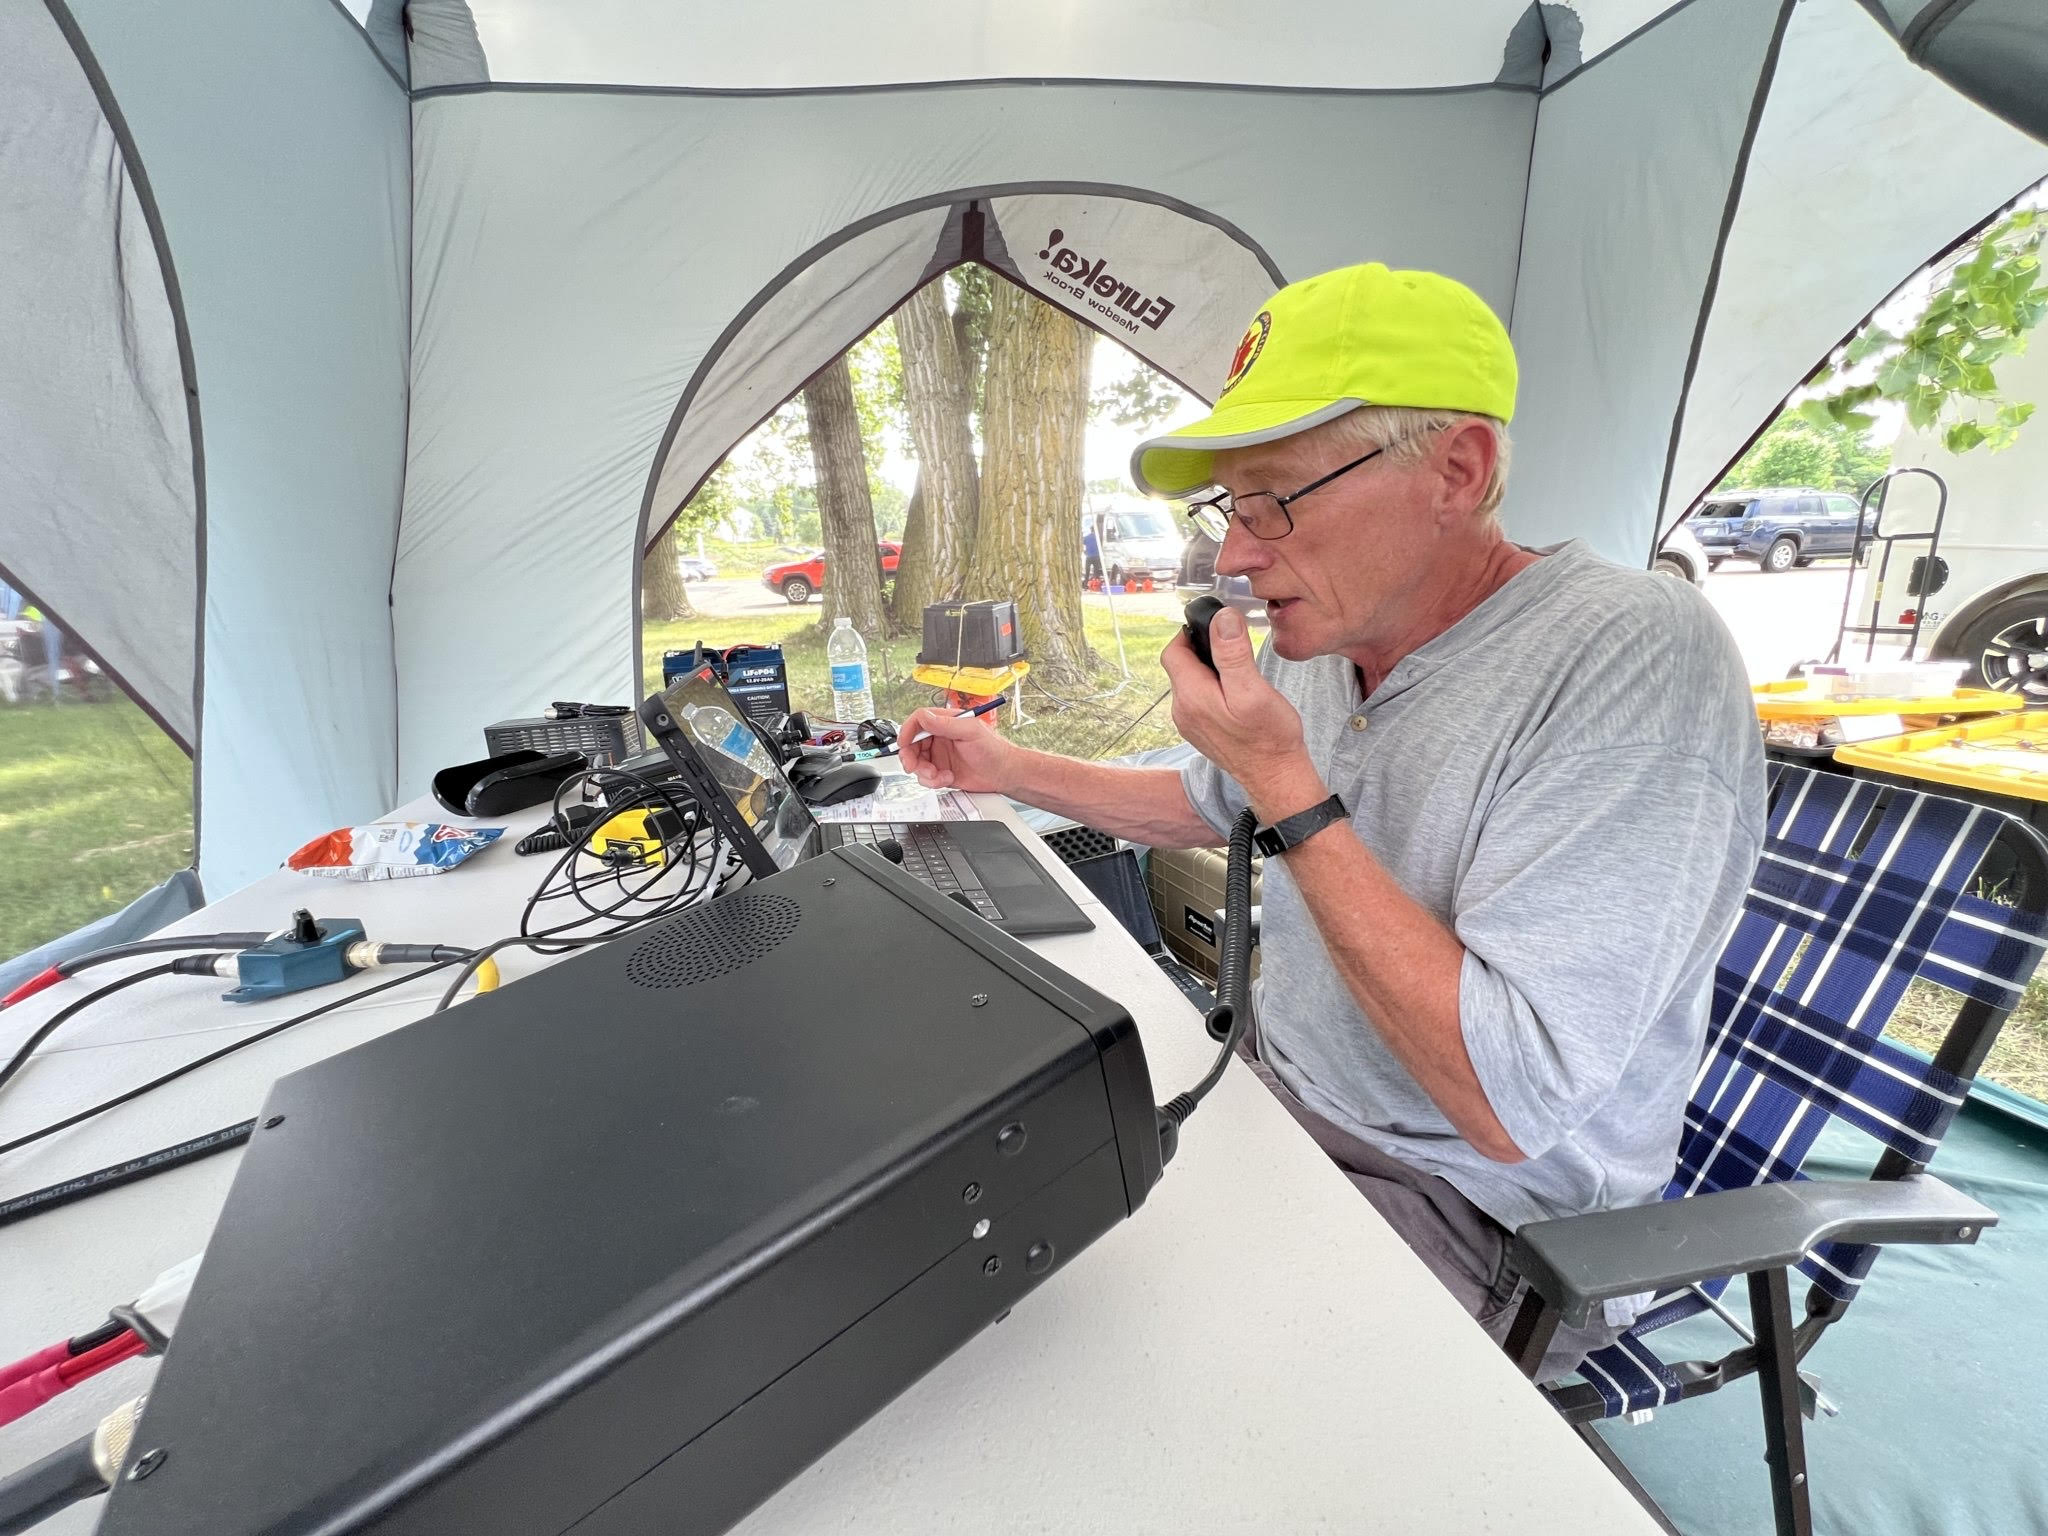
<point x="1293" y="831"/>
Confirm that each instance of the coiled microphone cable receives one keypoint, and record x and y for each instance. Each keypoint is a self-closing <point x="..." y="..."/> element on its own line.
<point x="1227" y="1020"/>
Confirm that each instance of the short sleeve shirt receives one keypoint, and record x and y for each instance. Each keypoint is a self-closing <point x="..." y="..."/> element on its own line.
<point x="1571" y="779"/>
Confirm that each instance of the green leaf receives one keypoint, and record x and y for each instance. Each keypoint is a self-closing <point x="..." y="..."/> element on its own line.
<point x="1962" y="437"/>
<point x="1868" y="343"/>
<point x="1898" y="378"/>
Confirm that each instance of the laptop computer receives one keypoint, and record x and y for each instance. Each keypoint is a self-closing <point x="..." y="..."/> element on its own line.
<point x="707" y="738"/>
<point x="1119" y="884"/>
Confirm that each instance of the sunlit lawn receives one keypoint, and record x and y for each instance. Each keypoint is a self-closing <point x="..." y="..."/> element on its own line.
<point x="1082" y="725"/>
<point x="95" y="808"/>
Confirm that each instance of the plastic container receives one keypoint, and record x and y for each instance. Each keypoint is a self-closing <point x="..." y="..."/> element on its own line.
<point x="1887" y="679"/>
<point x="852" y="697"/>
<point x="2004" y="755"/>
<point x="1802" y="698"/>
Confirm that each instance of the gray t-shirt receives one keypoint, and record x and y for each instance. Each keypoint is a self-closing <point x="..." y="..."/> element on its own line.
<point x="1571" y="778"/>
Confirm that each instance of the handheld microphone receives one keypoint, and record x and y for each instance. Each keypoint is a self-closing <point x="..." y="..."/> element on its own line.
<point x="1201" y="614"/>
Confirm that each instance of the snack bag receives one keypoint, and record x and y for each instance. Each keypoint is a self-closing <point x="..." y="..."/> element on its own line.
<point x="392" y="850"/>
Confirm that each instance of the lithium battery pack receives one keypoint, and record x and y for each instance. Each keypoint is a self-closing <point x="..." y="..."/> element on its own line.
<point x="623" y="1246"/>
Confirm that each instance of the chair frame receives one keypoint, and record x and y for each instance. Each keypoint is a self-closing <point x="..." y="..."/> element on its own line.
<point x="1573" y="1263"/>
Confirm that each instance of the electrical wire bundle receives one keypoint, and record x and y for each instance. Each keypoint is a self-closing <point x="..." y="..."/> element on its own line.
<point x="89" y="1464"/>
<point x="142" y="1326"/>
<point x="603" y="884"/>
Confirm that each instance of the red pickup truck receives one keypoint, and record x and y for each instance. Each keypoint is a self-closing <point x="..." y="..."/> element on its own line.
<point x="797" y="580"/>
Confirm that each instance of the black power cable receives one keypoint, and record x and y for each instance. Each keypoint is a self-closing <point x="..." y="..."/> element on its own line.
<point x="128" y="1171"/>
<point x="71" y="1010"/>
<point x="692" y="844"/>
<point x="39" y="1490"/>
<point x="176" y="942"/>
<point x="212" y="1056"/>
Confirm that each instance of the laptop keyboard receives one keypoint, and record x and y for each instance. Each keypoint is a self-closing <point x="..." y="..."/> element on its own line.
<point x="1192" y="987"/>
<point x="929" y="854"/>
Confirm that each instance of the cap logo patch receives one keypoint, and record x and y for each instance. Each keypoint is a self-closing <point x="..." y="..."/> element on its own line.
<point x="1248" y="350"/>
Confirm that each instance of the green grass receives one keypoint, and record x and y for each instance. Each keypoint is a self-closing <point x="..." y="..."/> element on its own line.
<point x="95" y="808"/>
<point x="2019" y="1057"/>
<point x="1085" y="724"/>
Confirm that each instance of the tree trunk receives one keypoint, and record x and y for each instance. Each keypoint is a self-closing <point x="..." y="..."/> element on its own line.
<point x="1034" y="419"/>
<point x="663" y="597"/>
<point x="913" y="539"/>
<point x="853" y="577"/>
<point x="939" y="395"/>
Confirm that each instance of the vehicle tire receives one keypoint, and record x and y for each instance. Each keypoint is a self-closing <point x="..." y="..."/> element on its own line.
<point x="1671" y="565"/>
<point x="1781" y="556"/>
<point x="2007" y="647"/>
<point x="797" y="590"/>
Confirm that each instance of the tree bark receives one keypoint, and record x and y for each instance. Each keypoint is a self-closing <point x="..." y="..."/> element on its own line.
<point x="1034" y="421"/>
<point x="939" y="395"/>
<point x="663" y="596"/>
<point x="853" y="578"/>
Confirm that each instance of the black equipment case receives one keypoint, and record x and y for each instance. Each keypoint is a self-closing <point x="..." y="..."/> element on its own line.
<point x="625" y="1245"/>
<point x="971" y="635"/>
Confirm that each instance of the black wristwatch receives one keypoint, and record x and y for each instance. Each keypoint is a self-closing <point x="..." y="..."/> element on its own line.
<point x="1293" y="831"/>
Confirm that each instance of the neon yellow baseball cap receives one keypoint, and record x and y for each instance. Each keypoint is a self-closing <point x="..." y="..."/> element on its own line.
<point x="1326" y="345"/>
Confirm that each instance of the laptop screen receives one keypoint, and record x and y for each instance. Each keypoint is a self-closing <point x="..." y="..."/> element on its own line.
<point x="745" y="769"/>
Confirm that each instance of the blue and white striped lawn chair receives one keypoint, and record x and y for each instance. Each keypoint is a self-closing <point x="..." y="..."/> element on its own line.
<point x="1861" y="888"/>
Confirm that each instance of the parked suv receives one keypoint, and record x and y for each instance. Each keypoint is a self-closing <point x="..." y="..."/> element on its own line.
<point x="1778" y="528"/>
<point x="797" y="580"/>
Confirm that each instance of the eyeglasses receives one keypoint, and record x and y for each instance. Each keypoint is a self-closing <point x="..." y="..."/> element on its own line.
<point x="1263" y="513"/>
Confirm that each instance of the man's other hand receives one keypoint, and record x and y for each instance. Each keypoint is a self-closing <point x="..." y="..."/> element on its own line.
<point x="1238" y="720"/>
<point x="960" y="754"/>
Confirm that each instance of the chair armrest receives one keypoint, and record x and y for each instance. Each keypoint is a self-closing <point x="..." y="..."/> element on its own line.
<point x="1579" y="1261"/>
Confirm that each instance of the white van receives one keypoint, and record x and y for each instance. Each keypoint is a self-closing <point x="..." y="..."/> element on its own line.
<point x="1986" y="600"/>
<point x="1134" y="537"/>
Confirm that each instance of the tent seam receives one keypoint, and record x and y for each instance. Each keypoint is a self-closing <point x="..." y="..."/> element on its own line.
<point x="589" y="88"/>
<point x="1766" y="74"/>
<point x="479" y="87"/>
<point x="1615" y="47"/>
<point x="360" y="31"/>
<point x="1522" y="232"/>
<point x="1928" y="26"/>
<point x="412" y="260"/>
<point x="188" y="367"/>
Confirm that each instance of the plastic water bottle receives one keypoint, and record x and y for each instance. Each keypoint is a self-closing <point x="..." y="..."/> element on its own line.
<point x="731" y="738"/>
<point x="852" y="698"/>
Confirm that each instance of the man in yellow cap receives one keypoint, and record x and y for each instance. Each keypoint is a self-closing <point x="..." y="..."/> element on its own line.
<point x="1516" y="795"/>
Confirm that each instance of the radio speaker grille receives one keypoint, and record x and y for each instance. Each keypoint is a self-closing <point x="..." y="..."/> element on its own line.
<point x="713" y="941"/>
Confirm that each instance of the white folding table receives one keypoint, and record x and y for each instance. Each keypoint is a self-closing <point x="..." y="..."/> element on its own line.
<point x="1255" y="1350"/>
